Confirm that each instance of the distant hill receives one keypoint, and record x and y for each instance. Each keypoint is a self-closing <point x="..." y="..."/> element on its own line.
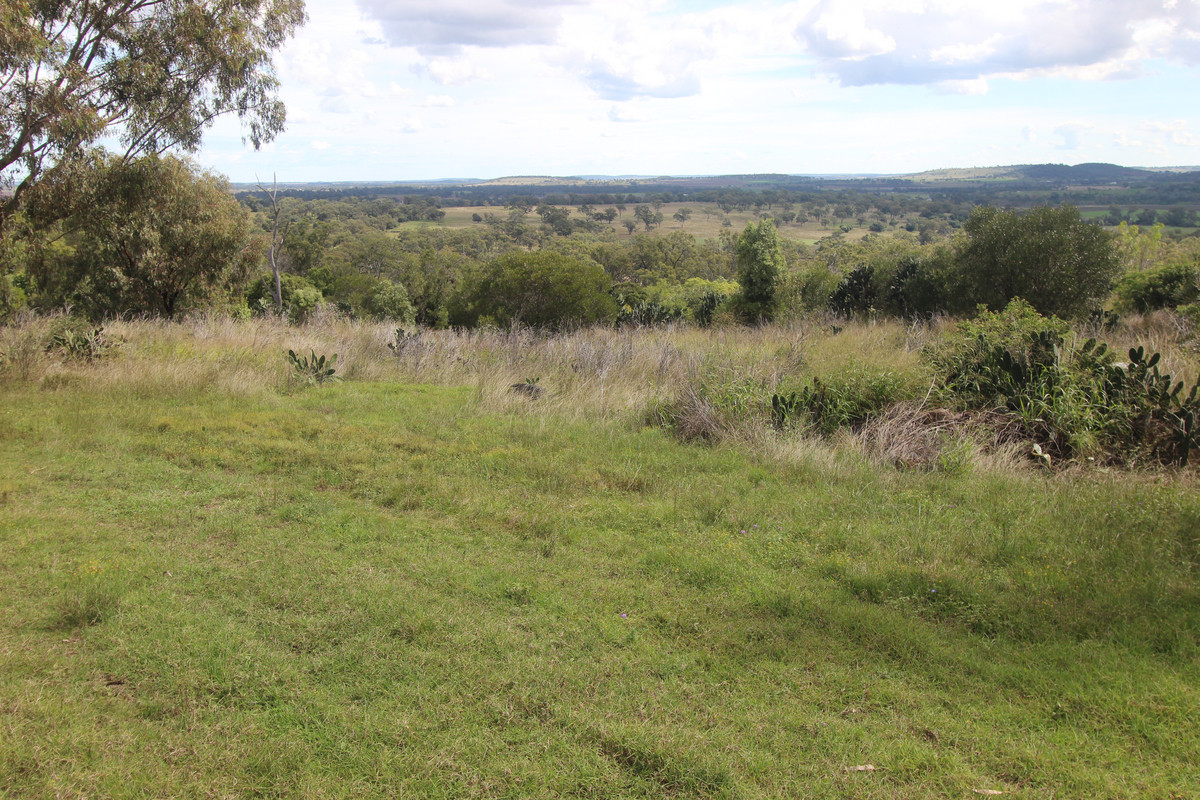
<point x="1078" y="175"/>
<point x="1020" y="185"/>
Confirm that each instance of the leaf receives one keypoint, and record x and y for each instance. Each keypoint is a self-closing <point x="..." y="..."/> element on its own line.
<point x="861" y="768"/>
<point x="987" y="791"/>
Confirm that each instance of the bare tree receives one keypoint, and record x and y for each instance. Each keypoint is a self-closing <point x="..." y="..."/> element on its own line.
<point x="277" y="239"/>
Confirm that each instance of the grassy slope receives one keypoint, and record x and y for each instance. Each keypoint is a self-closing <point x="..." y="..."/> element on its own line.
<point x="375" y="589"/>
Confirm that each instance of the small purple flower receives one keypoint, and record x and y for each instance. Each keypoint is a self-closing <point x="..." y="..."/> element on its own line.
<point x="933" y="590"/>
<point x="623" y="616"/>
<point x="756" y="524"/>
<point x="743" y="530"/>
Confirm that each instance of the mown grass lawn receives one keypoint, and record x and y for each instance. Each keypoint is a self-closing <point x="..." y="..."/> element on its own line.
<point x="372" y="589"/>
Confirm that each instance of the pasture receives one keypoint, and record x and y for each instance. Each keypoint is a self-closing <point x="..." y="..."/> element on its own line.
<point x="218" y="581"/>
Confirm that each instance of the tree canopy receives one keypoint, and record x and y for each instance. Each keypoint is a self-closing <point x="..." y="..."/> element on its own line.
<point x="151" y="235"/>
<point x="1049" y="256"/>
<point x="155" y="73"/>
<point x="542" y="289"/>
<point x="760" y="261"/>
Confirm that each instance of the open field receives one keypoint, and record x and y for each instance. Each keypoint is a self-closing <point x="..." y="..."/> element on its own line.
<point x="706" y="222"/>
<point x="219" y="582"/>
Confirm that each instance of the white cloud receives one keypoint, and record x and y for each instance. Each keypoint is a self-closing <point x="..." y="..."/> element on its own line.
<point x="439" y="101"/>
<point x="865" y="42"/>
<point x="318" y="145"/>
<point x="975" y="86"/>
<point x="454" y="71"/>
<point x="1071" y="135"/>
<point x="623" y="113"/>
<point x="443" y="26"/>
<point x="1175" y="133"/>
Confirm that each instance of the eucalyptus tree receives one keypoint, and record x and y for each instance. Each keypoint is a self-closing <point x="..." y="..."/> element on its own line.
<point x="151" y="74"/>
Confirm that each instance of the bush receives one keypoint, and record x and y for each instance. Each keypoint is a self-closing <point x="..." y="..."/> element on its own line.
<point x="1168" y="286"/>
<point x="760" y="261"/>
<point x="155" y="235"/>
<point x="1050" y="257"/>
<point x="1069" y="402"/>
<point x="389" y="301"/>
<point x="542" y="289"/>
<point x="300" y="297"/>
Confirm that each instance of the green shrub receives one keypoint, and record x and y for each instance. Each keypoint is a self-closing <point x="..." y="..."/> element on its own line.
<point x="760" y="262"/>
<point x="1049" y="256"/>
<point x="848" y="398"/>
<point x="989" y="359"/>
<point x="77" y="338"/>
<point x="389" y="301"/>
<point x="1168" y="286"/>
<point x="300" y="297"/>
<point x="1069" y="402"/>
<point x="542" y="290"/>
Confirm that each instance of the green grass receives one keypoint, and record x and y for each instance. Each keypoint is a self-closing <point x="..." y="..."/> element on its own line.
<point x="375" y="589"/>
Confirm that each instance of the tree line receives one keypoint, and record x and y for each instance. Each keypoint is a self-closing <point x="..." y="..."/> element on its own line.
<point x="158" y="235"/>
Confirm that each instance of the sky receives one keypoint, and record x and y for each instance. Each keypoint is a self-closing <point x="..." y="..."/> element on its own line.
<point x="428" y="89"/>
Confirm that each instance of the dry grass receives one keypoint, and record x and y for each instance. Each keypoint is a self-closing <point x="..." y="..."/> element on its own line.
<point x="593" y="373"/>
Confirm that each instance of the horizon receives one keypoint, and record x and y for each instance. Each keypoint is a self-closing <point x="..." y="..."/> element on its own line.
<point x="1178" y="168"/>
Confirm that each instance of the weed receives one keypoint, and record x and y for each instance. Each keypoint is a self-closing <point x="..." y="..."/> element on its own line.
<point x="405" y="342"/>
<point x="315" y="369"/>
<point x="77" y="340"/>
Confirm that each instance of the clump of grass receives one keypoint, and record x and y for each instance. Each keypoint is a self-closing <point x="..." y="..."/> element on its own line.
<point x="90" y="596"/>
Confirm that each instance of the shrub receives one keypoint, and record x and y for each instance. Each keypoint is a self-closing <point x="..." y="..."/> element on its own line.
<point x="300" y="297"/>
<point x="542" y="289"/>
<point x="154" y="235"/>
<point x="1070" y="402"/>
<point x="389" y="301"/>
<point x="760" y="261"/>
<point x="1168" y="286"/>
<point x="1050" y="257"/>
<point x="976" y="365"/>
<point x="845" y="399"/>
<point x="313" y="369"/>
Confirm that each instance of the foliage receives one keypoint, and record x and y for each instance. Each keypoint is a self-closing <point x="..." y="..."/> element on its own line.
<point x="389" y="301"/>
<point x="542" y="290"/>
<point x="760" y="262"/>
<point x="155" y="74"/>
<point x="152" y="236"/>
<point x="74" y="338"/>
<point x="12" y="295"/>
<point x="300" y="297"/>
<point x="1167" y="286"/>
<point x="1071" y="402"/>
<point x="845" y="399"/>
<point x="312" y="368"/>
<point x="1049" y="256"/>
<point x="976" y="366"/>
<point x="855" y="294"/>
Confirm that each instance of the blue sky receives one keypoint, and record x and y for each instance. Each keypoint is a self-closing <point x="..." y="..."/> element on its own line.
<point x="424" y="89"/>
